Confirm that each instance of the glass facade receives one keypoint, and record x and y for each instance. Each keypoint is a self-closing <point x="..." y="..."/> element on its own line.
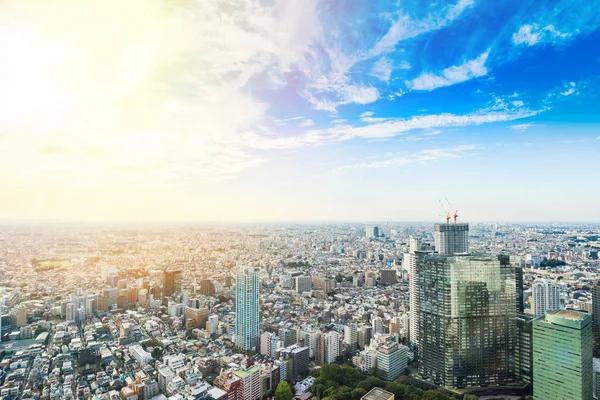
<point x="466" y="320"/>
<point x="562" y="356"/>
<point x="524" y="349"/>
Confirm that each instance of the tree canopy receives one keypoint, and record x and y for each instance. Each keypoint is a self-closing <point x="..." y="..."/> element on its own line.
<point x="345" y="382"/>
<point x="283" y="391"/>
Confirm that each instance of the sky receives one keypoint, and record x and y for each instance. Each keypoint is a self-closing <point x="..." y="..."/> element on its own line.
<point x="299" y="110"/>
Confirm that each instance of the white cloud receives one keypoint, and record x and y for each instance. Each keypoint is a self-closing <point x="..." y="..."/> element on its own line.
<point x="421" y="157"/>
<point x="149" y="103"/>
<point x="383" y="128"/>
<point x="338" y="121"/>
<point x="382" y="69"/>
<point x="451" y="75"/>
<point x="405" y="28"/>
<point x="570" y="89"/>
<point x="367" y="114"/>
<point x="521" y="127"/>
<point x="307" y="123"/>
<point x="532" y="34"/>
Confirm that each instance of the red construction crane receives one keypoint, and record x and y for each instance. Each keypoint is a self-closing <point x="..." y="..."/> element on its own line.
<point x="448" y="213"/>
<point x="455" y="212"/>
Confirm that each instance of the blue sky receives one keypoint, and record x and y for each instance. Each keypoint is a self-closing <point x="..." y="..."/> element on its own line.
<point x="305" y="110"/>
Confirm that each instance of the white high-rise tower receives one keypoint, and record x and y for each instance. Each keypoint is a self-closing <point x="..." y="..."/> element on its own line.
<point x="247" y="310"/>
<point x="546" y="296"/>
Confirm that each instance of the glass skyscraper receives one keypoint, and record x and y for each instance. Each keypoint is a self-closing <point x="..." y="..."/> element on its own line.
<point x="466" y="320"/>
<point x="247" y="310"/>
<point x="562" y="356"/>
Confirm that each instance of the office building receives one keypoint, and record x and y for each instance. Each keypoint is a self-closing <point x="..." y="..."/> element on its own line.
<point x="303" y="284"/>
<point x="247" y="310"/>
<point x="596" y="319"/>
<point x="451" y="238"/>
<point x="171" y="282"/>
<point x="388" y="276"/>
<point x="519" y="289"/>
<point x="351" y="337"/>
<point x="465" y="320"/>
<point x="524" y="349"/>
<point x="392" y="360"/>
<point x="372" y="232"/>
<point x="364" y="336"/>
<point x="596" y="363"/>
<point x="546" y="296"/>
<point x="562" y="356"/>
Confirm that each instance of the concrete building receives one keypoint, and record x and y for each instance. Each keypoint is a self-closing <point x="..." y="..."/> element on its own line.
<point x="388" y="276"/>
<point x="546" y="296"/>
<point x="351" y="337"/>
<point x="303" y="284"/>
<point x="139" y="354"/>
<point x="392" y="360"/>
<point x="562" y="356"/>
<point x="249" y="383"/>
<point x="451" y="238"/>
<point x="332" y="346"/>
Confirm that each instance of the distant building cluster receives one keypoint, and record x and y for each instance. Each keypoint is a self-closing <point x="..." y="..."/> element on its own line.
<point x="230" y="313"/>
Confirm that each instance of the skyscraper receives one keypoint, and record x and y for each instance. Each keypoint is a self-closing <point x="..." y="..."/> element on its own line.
<point x="596" y="319"/>
<point x="451" y="238"/>
<point x="172" y="282"/>
<point x="546" y="296"/>
<point x="409" y="263"/>
<point x="247" y="309"/>
<point x="524" y="349"/>
<point x="562" y="356"/>
<point x="466" y="329"/>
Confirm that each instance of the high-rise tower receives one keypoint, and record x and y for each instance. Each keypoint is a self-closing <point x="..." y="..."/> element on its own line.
<point x="247" y="309"/>
<point x="172" y="282"/>
<point x="451" y="238"/>
<point x="562" y="356"/>
<point x="546" y="296"/>
<point x="465" y="319"/>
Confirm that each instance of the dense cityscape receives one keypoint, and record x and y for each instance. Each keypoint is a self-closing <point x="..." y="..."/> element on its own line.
<point x="247" y="312"/>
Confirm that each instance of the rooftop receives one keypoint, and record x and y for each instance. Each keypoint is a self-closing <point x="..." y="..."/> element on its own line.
<point x="569" y="314"/>
<point x="378" y="394"/>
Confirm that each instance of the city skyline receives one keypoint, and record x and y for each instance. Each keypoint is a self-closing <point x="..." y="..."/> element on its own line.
<point x="299" y="110"/>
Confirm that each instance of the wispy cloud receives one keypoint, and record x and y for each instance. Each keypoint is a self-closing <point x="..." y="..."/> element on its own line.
<point x="403" y="27"/>
<point x="570" y="89"/>
<point x="421" y="157"/>
<point x="521" y="127"/>
<point x="451" y="75"/>
<point x="533" y="34"/>
<point x="382" y="128"/>
<point x="382" y="69"/>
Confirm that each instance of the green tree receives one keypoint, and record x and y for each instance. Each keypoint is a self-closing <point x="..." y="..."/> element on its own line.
<point x="470" y="397"/>
<point x="434" y="395"/>
<point x="358" y="393"/>
<point x="284" y="391"/>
